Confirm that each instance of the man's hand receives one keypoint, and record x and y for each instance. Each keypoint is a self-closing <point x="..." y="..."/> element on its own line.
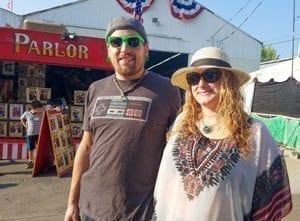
<point x="72" y="213"/>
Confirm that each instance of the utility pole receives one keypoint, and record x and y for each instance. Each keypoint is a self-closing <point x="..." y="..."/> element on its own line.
<point x="293" y="41"/>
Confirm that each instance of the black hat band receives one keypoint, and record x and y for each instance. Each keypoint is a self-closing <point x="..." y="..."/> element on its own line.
<point x="212" y="62"/>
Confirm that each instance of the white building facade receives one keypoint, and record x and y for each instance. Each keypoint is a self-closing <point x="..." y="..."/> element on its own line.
<point x="166" y="33"/>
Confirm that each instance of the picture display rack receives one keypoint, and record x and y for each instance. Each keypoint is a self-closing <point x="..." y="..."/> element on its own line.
<point x="55" y="145"/>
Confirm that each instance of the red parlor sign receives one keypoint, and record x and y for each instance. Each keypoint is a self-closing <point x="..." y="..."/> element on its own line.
<point x="51" y="48"/>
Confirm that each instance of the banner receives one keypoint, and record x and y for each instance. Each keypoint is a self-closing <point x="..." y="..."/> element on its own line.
<point x="52" y="48"/>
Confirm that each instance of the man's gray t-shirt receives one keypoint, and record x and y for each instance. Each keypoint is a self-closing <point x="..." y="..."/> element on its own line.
<point x="128" y="140"/>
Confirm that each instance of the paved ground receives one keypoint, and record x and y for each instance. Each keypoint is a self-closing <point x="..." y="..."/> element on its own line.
<point x="44" y="198"/>
<point x="24" y="198"/>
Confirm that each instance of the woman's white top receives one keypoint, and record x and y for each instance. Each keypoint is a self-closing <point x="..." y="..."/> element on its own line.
<point x="207" y="180"/>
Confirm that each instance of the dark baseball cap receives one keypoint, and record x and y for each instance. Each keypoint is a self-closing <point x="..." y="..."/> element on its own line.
<point x="123" y="22"/>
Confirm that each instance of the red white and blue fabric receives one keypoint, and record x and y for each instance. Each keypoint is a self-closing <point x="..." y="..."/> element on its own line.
<point x="130" y="5"/>
<point x="137" y="14"/>
<point x="185" y="9"/>
<point x="9" y="5"/>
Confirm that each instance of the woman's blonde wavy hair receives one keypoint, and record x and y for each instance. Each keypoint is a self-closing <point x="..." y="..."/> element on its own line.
<point x="230" y="110"/>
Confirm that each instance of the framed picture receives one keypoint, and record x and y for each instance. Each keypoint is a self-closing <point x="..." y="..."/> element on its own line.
<point x="3" y="128"/>
<point x="63" y="140"/>
<point x="59" y="120"/>
<point x="22" y="82"/>
<point x="8" y="68"/>
<point x="76" y="113"/>
<point x="56" y="141"/>
<point x="22" y="94"/>
<point x="6" y="90"/>
<point x="40" y="82"/>
<point x="53" y="124"/>
<point x="76" y="129"/>
<point x="66" y="120"/>
<point x="15" y="129"/>
<point x="22" y="70"/>
<point x="44" y="94"/>
<point x="15" y="111"/>
<point x="30" y="72"/>
<point x="3" y="111"/>
<point x="40" y="71"/>
<point x="79" y="97"/>
<point x="31" y="94"/>
<point x="31" y="82"/>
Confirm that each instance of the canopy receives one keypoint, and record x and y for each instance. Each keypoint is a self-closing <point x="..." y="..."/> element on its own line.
<point x="275" y="90"/>
<point x="280" y="71"/>
<point x="273" y="96"/>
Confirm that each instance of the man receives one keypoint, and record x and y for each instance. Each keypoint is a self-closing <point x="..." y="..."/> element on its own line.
<point x="126" y="117"/>
<point x="31" y="120"/>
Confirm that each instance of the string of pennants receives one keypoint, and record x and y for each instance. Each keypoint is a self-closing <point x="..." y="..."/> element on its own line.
<point x="180" y="9"/>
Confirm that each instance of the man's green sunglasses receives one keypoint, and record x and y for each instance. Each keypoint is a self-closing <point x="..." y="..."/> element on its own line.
<point x="133" y="41"/>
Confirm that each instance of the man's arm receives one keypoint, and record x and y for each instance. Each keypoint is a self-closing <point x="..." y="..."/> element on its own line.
<point x="23" y="120"/>
<point x="81" y="164"/>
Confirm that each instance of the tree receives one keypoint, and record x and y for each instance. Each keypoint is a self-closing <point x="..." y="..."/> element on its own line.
<point x="268" y="53"/>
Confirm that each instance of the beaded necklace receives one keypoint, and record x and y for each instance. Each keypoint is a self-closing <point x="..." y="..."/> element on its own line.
<point x="122" y="91"/>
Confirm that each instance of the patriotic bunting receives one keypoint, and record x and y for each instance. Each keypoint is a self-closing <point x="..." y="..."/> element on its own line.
<point x="9" y="5"/>
<point x="180" y="9"/>
<point x="130" y="5"/>
<point x="137" y="14"/>
<point x="185" y="9"/>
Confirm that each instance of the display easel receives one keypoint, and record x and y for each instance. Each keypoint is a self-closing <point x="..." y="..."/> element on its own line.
<point x="55" y="145"/>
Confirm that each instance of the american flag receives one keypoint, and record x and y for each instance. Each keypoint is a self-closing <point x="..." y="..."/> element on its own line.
<point x="137" y="14"/>
<point x="10" y="5"/>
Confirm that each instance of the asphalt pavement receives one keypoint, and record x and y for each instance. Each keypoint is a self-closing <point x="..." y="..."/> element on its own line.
<point x="44" y="198"/>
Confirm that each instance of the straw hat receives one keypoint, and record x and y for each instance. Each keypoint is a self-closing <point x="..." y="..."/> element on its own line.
<point x="208" y="57"/>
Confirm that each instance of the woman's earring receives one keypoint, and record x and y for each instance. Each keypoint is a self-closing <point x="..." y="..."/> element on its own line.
<point x="147" y="58"/>
<point x="108" y="59"/>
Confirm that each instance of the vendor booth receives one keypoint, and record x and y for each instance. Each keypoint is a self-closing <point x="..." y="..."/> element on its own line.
<point x="54" y="68"/>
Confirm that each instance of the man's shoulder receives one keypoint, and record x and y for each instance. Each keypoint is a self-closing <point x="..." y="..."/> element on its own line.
<point x="101" y="81"/>
<point x="158" y="77"/>
<point x="25" y="114"/>
<point x="160" y="81"/>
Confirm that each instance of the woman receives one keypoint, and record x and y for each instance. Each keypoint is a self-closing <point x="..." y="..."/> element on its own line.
<point x="219" y="164"/>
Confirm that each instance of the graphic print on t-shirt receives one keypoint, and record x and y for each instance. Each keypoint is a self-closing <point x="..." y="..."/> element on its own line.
<point x="112" y="107"/>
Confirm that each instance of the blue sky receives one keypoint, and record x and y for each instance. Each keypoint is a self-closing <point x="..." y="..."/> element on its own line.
<point x="271" y="22"/>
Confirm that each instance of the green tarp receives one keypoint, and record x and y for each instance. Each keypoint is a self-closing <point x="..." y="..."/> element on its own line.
<point x="285" y="131"/>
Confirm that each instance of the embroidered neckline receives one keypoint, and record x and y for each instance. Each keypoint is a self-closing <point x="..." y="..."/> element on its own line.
<point x="203" y="162"/>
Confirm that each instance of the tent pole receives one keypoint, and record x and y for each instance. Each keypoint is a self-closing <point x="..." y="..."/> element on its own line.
<point x="293" y="41"/>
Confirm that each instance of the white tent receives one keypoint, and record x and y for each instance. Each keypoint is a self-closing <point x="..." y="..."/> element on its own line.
<point x="280" y="72"/>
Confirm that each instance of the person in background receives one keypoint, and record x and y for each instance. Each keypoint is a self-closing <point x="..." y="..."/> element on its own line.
<point x="31" y="120"/>
<point x="126" y="118"/>
<point x="219" y="163"/>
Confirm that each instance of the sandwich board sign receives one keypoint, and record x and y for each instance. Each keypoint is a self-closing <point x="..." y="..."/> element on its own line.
<point x="55" y="144"/>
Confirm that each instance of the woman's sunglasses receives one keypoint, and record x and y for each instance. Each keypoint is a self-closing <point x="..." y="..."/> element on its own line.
<point x="209" y="76"/>
<point x="133" y="41"/>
